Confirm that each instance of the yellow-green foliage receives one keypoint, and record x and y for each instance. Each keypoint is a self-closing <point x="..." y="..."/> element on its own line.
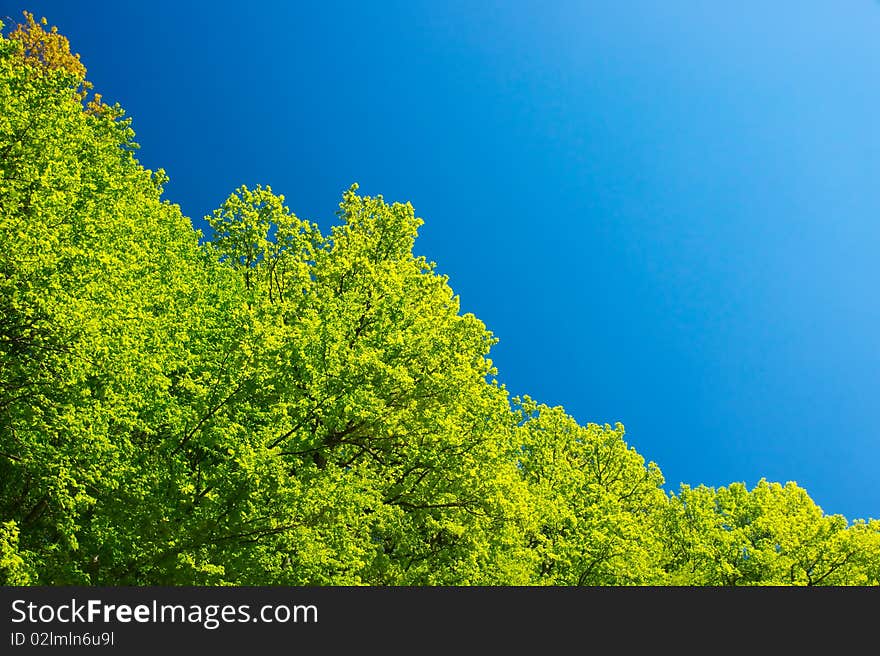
<point x="270" y="405"/>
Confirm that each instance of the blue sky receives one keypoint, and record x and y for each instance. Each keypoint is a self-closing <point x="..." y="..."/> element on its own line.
<point x="667" y="212"/>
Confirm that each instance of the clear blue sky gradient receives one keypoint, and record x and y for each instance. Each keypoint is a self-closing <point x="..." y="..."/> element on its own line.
<point x="667" y="212"/>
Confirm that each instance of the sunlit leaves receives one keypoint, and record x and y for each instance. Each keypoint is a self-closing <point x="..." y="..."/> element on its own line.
<point x="44" y="48"/>
<point x="597" y="499"/>
<point x="277" y="406"/>
<point x="769" y="535"/>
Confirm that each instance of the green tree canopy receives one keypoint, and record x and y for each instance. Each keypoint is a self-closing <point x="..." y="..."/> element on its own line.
<point x="267" y="404"/>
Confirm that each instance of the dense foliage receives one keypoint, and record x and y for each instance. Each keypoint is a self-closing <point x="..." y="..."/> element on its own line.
<point x="269" y="405"/>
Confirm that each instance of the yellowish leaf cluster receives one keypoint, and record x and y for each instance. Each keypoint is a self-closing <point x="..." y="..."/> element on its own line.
<point x="48" y="49"/>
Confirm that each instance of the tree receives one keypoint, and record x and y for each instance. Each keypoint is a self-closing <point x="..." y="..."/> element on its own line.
<point x="769" y="535"/>
<point x="384" y="393"/>
<point x="597" y="499"/>
<point x="113" y="325"/>
<point x="276" y="406"/>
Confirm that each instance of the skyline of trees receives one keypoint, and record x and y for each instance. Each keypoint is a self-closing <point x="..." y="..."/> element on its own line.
<point x="268" y="405"/>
